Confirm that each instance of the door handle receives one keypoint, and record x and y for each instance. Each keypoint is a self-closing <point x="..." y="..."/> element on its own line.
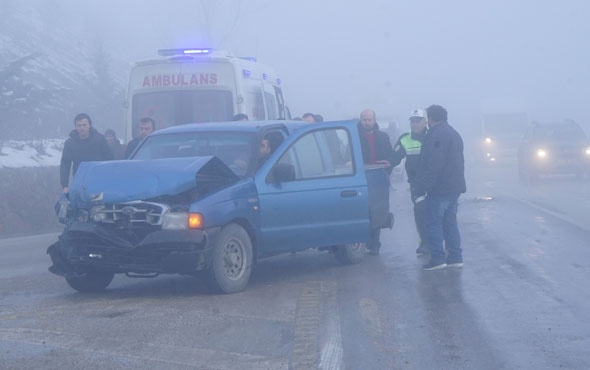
<point x="349" y="193"/>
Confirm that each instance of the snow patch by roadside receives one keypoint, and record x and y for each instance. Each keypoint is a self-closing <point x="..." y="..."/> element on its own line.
<point x="30" y="153"/>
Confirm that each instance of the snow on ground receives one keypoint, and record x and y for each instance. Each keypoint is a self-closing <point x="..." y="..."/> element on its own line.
<point x="30" y="153"/>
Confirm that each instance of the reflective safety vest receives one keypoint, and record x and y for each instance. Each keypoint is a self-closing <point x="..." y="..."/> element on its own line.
<point x="411" y="146"/>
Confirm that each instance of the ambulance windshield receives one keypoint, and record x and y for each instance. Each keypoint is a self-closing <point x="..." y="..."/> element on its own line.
<point x="169" y="108"/>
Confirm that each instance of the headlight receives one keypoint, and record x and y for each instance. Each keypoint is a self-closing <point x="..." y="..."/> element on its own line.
<point x="487" y="140"/>
<point x="588" y="151"/>
<point x="175" y="220"/>
<point x="182" y="220"/>
<point x="541" y="153"/>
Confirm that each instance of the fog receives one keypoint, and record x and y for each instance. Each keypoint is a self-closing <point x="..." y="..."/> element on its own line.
<point x="392" y="56"/>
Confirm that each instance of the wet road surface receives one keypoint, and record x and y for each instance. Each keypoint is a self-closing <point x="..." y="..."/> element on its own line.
<point x="520" y="301"/>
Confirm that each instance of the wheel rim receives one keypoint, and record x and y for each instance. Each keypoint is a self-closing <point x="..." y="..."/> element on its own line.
<point x="233" y="258"/>
<point x="356" y="247"/>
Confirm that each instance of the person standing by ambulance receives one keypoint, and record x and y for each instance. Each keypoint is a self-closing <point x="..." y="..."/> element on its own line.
<point x="408" y="146"/>
<point x="377" y="149"/>
<point x="145" y="126"/>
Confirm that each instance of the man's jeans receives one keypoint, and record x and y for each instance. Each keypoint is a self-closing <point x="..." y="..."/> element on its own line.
<point x="441" y="214"/>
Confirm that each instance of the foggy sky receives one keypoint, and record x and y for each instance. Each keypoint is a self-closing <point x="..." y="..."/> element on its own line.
<point x="337" y="58"/>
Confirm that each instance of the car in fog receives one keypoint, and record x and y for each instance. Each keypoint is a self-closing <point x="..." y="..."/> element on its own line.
<point x="550" y="148"/>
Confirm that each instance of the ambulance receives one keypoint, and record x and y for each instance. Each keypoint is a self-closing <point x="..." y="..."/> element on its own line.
<point x="201" y="85"/>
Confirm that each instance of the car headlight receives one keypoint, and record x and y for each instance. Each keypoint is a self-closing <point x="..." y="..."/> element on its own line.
<point x="588" y="151"/>
<point x="182" y="220"/>
<point x="541" y="153"/>
<point x="175" y="220"/>
<point x="487" y="140"/>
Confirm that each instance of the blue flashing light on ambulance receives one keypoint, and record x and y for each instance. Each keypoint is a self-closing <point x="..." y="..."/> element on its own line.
<point x="202" y="85"/>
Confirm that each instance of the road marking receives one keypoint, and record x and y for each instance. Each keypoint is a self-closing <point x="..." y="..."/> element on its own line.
<point x="331" y="358"/>
<point x="307" y="321"/>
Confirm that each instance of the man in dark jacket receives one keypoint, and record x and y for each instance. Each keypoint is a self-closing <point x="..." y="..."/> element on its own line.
<point x="439" y="182"/>
<point x="377" y="149"/>
<point x="84" y="144"/>
<point x="145" y="127"/>
<point x="408" y="146"/>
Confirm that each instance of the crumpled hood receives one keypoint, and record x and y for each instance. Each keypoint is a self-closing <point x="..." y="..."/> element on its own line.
<point x="127" y="180"/>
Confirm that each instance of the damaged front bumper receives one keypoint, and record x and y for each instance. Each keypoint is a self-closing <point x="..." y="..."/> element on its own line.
<point x="85" y="247"/>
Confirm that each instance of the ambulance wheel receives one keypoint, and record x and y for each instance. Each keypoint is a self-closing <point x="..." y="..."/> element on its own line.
<point x="231" y="261"/>
<point x="94" y="281"/>
<point x="350" y="254"/>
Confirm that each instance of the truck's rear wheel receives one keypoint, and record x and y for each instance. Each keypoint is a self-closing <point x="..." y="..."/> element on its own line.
<point x="350" y="254"/>
<point x="94" y="281"/>
<point x="231" y="262"/>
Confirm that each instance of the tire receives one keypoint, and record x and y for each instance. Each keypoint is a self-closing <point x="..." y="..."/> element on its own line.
<point x="350" y="254"/>
<point x="231" y="262"/>
<point x="94" y="281"/>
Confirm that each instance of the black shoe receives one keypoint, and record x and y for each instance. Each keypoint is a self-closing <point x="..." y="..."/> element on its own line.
<point x="434" y="266"/>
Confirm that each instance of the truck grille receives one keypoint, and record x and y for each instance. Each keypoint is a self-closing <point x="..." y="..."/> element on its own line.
<point x="135" y="212"/>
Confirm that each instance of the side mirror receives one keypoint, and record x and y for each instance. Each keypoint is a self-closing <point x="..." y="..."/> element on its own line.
<point x="281" y="172"/>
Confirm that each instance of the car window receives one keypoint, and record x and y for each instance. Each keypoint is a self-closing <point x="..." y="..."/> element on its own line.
<point x="322" y="153"/>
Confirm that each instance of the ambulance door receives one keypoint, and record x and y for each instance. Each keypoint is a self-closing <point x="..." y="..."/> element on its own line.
<point x="282" y="107"/>
<point x="254" y="100"/>
<point x="273" y="99"/>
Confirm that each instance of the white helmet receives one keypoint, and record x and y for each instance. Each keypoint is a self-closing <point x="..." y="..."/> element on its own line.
<point x="418" y="113"/>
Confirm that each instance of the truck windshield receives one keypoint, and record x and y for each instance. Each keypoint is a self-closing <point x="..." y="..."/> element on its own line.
<point x="235" y="149"/>
<point x="170" y="108"/>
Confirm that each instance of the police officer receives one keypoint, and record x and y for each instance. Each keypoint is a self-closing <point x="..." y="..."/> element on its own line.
<point x="408" y="146"/>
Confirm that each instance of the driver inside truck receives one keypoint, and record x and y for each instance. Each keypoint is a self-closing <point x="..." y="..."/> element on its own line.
<point x="268" y="145"/>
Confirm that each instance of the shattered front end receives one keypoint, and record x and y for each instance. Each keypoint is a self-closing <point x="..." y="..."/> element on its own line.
<point x="133" y="217"/>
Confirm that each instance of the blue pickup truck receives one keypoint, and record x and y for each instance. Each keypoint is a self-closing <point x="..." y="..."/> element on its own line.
<point x="206" y="200"/>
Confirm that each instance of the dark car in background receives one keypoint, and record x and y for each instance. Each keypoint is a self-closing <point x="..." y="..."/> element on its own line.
<point x="551" y="148"/>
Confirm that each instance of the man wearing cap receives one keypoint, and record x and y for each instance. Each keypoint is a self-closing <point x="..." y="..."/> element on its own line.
<point x="408" y="146"/>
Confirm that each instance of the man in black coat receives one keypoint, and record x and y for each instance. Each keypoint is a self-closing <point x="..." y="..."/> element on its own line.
<point x="439" y="182"/>
<point x="84" y="144"/>
<point x="377" y="149"/>
<point x="145" y="126"/>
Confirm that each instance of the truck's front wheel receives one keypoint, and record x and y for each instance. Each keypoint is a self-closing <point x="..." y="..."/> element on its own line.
<point x="231" y="263"/>
<point x="350" y="253"/>
<point x="94" y="281"/>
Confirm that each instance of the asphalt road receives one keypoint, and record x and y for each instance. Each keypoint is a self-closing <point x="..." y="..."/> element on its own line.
<point x="520" y="301"/>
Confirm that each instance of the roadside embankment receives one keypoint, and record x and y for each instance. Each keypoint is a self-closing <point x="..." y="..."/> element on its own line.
<point x="27" y="197"/>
